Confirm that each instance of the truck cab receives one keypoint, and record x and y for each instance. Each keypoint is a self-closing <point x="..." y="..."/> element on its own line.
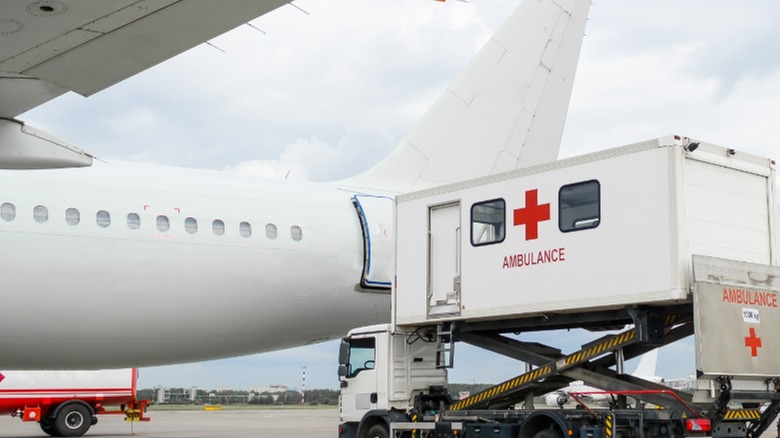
<point x="382" y="373"/>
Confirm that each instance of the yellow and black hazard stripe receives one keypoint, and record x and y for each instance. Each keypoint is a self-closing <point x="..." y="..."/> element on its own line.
<point x="502" y="388"/>
<point x="613" y="343"/>
<point x="609" y="426"/>
<point x="742" y="414"/>
<point x="596" y="350"/>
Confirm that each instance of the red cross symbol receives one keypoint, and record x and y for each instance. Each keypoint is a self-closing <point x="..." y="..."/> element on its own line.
<point x="532" y="214"/>
<point x="753" y="342"/>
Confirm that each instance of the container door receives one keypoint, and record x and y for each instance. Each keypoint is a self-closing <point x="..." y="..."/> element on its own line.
<point x="444" y="236"/>
<point x="728" y="212"/>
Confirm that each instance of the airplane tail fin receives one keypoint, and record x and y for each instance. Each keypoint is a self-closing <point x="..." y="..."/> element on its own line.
<point x="647" y="365"/>
<point x="506" y="110"/>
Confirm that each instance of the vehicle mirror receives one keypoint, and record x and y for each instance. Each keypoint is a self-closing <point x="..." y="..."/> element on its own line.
<point x="343" y="370"/>
<point x="344" y="352"/>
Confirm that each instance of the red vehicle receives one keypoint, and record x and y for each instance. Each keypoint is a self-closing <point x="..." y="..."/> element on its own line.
<point x="67" y="403"/>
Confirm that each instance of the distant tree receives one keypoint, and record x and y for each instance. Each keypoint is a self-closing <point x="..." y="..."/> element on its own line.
<point x="289" y="398"/>
<point x="264" y="399"/>
<point x="182" y="395"/>
<point x="322" y="397"/>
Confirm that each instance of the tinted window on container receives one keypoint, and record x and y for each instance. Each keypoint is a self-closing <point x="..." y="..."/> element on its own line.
<point x="579" y="206"/>
<point x="488" y="222"/>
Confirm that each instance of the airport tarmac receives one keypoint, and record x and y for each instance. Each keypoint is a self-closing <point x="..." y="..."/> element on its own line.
<point x="271" y="423"/>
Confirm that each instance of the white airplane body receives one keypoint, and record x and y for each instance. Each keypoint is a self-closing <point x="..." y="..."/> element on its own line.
<point x="119" y="265"/>
<point x="114" y="294"/>
<point x="645" y="370"/>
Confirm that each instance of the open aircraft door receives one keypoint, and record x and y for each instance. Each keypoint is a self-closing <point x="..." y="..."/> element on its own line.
<point x="444" y="235"/>
<point x="376" y="220"/>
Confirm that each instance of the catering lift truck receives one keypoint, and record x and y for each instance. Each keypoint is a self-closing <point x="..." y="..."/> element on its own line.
<point x="651" y="242"/>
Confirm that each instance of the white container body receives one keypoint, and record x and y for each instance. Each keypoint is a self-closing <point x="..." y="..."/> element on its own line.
<point x="646" y="209"/>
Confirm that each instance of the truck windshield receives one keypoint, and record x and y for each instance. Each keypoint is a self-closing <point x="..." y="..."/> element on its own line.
<point x="361" y="355"/>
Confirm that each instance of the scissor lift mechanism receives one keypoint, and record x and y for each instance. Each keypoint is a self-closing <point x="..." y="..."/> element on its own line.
<point x="552" y="370"/>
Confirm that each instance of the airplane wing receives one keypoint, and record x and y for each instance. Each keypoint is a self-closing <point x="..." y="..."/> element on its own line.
<point x="48" y="47"/>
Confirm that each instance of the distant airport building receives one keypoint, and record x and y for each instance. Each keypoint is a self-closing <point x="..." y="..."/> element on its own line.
<point x="270" y="389"/>
<point x="178" y="395"/>
<point x="220" y="395"/>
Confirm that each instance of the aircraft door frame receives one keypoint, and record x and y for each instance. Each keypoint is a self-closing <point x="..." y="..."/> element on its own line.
<point x="376" y="222"/>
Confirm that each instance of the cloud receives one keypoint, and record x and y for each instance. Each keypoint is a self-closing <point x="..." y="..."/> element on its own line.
<point x="676" y="68"/>
<point x="317" y="160"/>
<point x="294" y="161"/>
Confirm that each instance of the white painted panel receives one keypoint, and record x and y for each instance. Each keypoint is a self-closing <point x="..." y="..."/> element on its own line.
<point x="75" y="380"/>
<point x="659" y="205"/>
<point x="727" y="212"/>
<point x="737" y="319"/>
<point x="630" y="258"/>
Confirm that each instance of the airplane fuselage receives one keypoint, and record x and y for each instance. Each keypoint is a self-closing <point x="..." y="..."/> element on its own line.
<point x="119" y="265"/>
<point x="131" y="265"/>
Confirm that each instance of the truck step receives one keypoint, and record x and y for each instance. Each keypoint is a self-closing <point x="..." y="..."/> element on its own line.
<point x="445" y="346"/>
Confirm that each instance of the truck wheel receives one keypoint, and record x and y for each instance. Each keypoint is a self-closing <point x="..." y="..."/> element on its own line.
<point x="72" y="420"/>
<point x="377" y="431"/>
<point x="47" y="427"/>
<point x="548" y="433"/>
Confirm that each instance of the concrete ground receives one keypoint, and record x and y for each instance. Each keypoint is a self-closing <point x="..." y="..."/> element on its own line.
<point x="273" y="423"/>
<point x="276" y="423"/>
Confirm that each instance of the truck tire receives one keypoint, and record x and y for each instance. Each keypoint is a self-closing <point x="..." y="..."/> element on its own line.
<point x="72" y="420"/>
<point x="377" y="431"/>
<point x="47" y="427"/>
<point x="549" y="433"/>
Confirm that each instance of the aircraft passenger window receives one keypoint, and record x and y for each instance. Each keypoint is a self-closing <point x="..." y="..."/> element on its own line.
<point x="296" y="233"/>
<point x="103" y="219"/>
<point x="191" y="225"/>
<point x="579" y="206"/>
<point x="245" y="228"/>
<point x="163" y="224"/>
<point x="218" y="226"/>
<point x="133" y="221"/>
<point x="40" y="214"/>
<point x="488" y="222"/>
<point x="270" y="231"/>
<point x="8" y="212"/>
<point x="72" y="216"/>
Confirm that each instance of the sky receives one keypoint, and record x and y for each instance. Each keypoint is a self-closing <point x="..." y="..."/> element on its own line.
<point x="324" y="94"/>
